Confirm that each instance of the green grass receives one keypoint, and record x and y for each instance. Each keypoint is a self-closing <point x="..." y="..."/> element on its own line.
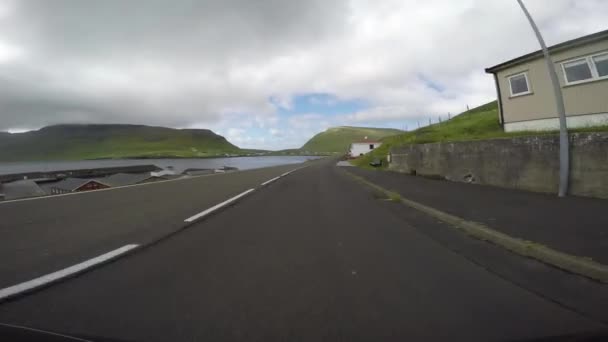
<point x="76" y="142"/>
<point x="476" y="124"/>
<point x="394" y="196"/>
<point x="338" y="139"/>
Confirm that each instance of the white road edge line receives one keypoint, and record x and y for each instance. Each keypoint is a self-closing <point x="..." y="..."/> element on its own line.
<point x="271" y="180"/>
<point x="217" y="206"/>
<point x="71" y="338"/>
<point x="51" y="277"/>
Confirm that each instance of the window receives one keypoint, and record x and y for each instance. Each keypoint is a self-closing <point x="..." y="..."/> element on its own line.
<point x="519" y="84"/>
<point x="586" y="69"/>
<point x="601" y="64"/>
<point x="577" y="71"/>
<point x="371" y="146"/>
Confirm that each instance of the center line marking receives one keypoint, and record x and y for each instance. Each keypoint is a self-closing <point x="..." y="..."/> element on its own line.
<point x="218" y="206"/>
<point x="52" y="277"/>
<point x="270" y="180"/>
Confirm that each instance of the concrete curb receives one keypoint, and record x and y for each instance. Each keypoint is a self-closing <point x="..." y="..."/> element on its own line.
<point x="571" y="263"/>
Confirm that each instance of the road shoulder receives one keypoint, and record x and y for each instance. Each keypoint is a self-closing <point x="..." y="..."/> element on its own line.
<point x="575" y="292"/>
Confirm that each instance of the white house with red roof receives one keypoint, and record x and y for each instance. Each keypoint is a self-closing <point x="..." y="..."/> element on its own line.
<point x="361" y="147"/>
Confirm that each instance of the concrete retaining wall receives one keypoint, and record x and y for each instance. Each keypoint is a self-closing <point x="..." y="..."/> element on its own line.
<point x="528" y="163"/>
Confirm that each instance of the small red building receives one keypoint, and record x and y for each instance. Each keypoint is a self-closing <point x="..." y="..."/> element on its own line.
<point x="77" y="185"/>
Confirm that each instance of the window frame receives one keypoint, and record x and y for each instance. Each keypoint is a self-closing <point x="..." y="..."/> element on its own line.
<point x="590" y="60"/>
<point x="528" y="85"/>
<point x="603" y="54"/>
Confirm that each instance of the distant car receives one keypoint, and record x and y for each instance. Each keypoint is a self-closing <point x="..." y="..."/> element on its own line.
<point x="376" y="162"/>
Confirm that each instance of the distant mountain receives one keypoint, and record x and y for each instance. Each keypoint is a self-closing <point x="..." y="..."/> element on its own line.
<point x="72" y="142"/>
<point x="338" y="139"/>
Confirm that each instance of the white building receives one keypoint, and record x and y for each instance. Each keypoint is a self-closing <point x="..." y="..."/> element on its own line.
<point x="359" y="148"/>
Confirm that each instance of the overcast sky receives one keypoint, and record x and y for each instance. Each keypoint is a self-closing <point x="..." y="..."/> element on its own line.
<point x="264" y="73"/>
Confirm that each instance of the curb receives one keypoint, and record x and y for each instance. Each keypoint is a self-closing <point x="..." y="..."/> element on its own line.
<point x="571" y="263"/>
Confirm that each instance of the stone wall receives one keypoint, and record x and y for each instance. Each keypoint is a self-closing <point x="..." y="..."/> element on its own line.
<point x="528" y="163"/>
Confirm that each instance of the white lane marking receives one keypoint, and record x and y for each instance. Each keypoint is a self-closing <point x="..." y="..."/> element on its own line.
<point x="51" y="277"/>
<point x="218" y="206"/>
<point x="70" y="338"/>
<point x="294" y="170"/>
<point x="130" y="186"/>
<point x="271" y="180"/>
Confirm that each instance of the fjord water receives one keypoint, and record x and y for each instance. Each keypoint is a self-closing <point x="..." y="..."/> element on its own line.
<point x="242" y="163"/>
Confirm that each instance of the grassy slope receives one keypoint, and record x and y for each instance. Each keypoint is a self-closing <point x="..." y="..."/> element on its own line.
<point x="338" y="139"/>
<point x="476" y="124"/>
<point x="71" y="142"/>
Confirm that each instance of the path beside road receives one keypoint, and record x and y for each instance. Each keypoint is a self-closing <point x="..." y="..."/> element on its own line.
<point x="574" y="225"/>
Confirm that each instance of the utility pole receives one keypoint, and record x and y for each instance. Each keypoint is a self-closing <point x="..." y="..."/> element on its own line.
<point x="564" y="143"/>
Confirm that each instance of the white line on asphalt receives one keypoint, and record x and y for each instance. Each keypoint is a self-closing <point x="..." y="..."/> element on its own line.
<point x="218" y="206"/>
<point x="271" y="180"/>
<point x="47" y="333"/>
<point x="286" y="173"/>
<point x="51" y="277"/>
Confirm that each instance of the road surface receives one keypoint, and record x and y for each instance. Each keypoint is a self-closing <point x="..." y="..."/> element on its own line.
<point x="41" y="235"/>
<point x="309" y="257"/>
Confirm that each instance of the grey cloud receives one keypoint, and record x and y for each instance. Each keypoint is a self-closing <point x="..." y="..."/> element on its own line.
<point x="188" y="29"/>
<point x="148" y="61"/>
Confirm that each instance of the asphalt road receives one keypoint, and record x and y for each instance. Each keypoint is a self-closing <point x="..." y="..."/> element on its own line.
<point x="311" y="257"/>
<point x="46" y="234"/>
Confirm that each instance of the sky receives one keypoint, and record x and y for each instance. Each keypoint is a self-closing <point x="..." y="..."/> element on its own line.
<point x="267" y="73"/>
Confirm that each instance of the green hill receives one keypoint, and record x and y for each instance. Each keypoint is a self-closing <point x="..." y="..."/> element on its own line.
<point x="476" y="124"/>
<point x="338" y="139"/>
<point x="72" y="142"/>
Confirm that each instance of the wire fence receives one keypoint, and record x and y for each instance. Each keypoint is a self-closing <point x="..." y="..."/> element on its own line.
<point x="429" y="120"/>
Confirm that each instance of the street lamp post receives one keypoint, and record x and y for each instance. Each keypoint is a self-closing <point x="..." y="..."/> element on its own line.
<point x="564" y="143"/>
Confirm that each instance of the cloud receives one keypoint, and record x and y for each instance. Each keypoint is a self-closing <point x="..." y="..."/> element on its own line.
<point x="275" y="132"/>
<point x="239" y="64"/>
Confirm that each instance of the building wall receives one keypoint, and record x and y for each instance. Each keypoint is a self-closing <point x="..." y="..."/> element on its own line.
<point x="528" y="163"/>
<point x="580" y="99"/>
<point x="362" y="148"/>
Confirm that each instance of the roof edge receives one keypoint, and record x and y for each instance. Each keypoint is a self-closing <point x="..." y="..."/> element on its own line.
<point x="554" y="48"/>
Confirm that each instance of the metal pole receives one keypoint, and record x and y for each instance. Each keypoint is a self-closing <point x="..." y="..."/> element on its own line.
<point x="564" y="143"/>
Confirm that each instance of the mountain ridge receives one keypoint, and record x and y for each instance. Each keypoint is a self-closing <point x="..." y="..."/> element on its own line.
<point x="100" y="141"/>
